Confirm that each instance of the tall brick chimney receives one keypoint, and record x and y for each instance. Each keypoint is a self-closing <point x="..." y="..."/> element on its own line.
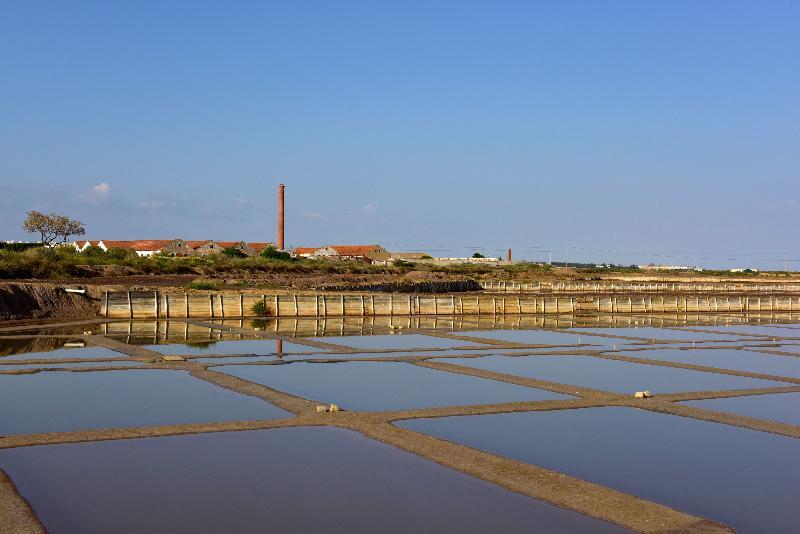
<point x="509" y="255"/>
<point x="281" y="189"/>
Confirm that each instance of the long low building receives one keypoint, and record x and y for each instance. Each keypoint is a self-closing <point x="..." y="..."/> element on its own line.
<point x="363" y="253"/>
<point x="176" y="247"/>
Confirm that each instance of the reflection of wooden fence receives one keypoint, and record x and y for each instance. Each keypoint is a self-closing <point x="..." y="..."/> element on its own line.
<point x="640" y="287"/>
<point x="153" y="304"/>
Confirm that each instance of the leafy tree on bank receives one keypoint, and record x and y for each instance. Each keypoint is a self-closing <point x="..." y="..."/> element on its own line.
<point x="67" y="227"/>
<point x="51" y="227"/>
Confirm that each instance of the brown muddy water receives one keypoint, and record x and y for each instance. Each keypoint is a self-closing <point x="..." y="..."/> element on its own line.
<point x="748" y="479"/>
<point x="296" y="480"/>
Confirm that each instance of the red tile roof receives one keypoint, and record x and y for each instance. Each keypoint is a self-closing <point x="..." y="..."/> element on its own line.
<point x="144" y="244"/>
<point x="306" y="250"/>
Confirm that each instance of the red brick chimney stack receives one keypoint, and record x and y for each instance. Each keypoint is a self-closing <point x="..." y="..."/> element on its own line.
<point x="281" y="189"/>
<point x="509" y="255"/>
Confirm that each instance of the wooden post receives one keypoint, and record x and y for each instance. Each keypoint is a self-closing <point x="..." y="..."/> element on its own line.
<point x="130" y="305"/>
<point x="155" y="302"/>
<point x="277" y="306"/>
<point x="363" y="307"/>
<point x="324" y="305"/>
<point x="241" y="304"/>
<point x="166" y="309"/>
<point x="410" y="312"/>
<point x="342" y="296"/>
<point x="211" y="304"/>
<point x="222" y="305"/>
<point x="296" y="309"/>
<point x="186" y="299"/>
<point x="105" y="308"/>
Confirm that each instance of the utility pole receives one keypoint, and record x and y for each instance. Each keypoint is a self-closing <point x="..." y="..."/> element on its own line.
<point x="550" y="257"/>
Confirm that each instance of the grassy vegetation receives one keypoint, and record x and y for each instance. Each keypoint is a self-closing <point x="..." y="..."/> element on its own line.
<point x="66" y="262"/>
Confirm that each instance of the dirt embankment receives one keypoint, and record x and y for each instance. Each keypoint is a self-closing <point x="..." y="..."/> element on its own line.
<point x="39" y="300"/>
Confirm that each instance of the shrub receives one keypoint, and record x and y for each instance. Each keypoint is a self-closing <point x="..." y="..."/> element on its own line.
<point x="203" y="286"/>
<point x="260" y="308"/>
<point x="233" y="252"/>
<point x="272" y="253"/>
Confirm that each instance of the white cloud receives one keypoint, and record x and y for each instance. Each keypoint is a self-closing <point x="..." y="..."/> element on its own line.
<point x="100" y="193"/>
<point x="370" y="209"/>
<point x="242" y="201"/>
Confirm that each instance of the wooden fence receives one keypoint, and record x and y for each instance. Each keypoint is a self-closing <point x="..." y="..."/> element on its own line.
<point x="154" y="304"/>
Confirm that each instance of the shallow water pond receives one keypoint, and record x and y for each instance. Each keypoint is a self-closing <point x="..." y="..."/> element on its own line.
<point x="63" y="352"/>
<point x="660" y="334"/>
<point x="246" y="346"/>
<point x="782" y="407"/>
<point x="610" y="375"/>
<point x="59" y="402"/>
<point x="744" y="478"/>
<point x="379" y="386"/>
<point x="737" y="360"/>
<point x="748" y="330"/>
<point x="282" y="480"/>
<point x="396" y="341"/>
<point x="120" y="363"/>
<point x="543" y="337"/>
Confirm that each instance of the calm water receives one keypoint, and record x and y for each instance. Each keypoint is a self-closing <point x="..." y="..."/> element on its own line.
<point x="783" y="407"/>
<point x="737" y="360"/>
<point x="609" y="375"/>
<point x="378" y="386"/>
<point x="744" y="478"/>
<point x="544" y="337"/>
<point x="246" y="346"/>
<point x="293" y="480"/>
<point x="78" y="352"/>
<point x="57" y="402"/>
<point x="397" y="341"/>
<point x="651" y="333"/>
<point x="125" y="363"/>
<point x="758" y="330"/>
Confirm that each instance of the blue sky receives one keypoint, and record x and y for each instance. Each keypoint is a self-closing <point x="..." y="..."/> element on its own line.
<point x="606" y="131"/>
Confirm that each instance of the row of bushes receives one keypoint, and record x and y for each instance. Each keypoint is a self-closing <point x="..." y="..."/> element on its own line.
<point x="66" y="262"/>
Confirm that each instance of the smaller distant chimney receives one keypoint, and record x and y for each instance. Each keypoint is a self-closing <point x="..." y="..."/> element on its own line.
<point x="509" y="255"/>
<point x="281" y="189"/>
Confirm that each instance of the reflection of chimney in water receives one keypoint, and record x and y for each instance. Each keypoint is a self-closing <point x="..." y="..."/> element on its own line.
<point x="279" y="348"/>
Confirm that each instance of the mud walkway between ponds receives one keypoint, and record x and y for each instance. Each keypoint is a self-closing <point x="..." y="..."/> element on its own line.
<point x="559" y="489"/>
<point x="16" y="515"/>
